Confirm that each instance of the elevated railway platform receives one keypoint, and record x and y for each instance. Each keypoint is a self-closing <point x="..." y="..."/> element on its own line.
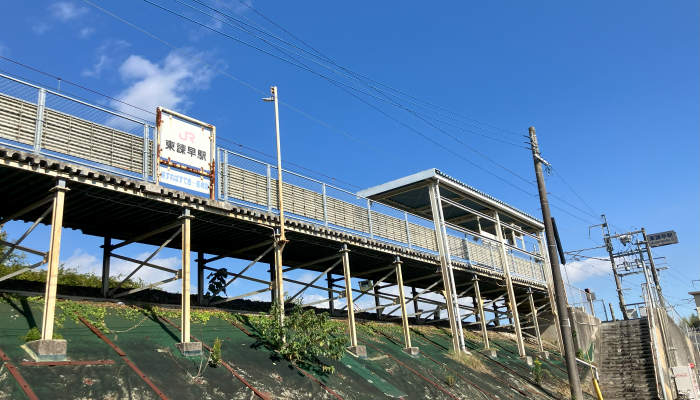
<point x="70" y="164"/>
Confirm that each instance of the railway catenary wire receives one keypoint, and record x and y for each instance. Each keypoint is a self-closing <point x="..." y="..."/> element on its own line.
<point x="366" y="93"/>
<point x="358" y="74"/>
<point x="245" y="84"/>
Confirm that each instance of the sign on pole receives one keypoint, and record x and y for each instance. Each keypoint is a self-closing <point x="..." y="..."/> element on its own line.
<point x="662" y="239"/>
<point x="186" y="147"/>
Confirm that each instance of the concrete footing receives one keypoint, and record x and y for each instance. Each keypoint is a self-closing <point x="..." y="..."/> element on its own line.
<point x="490" y="353"/>
<point x="360" y="351"/>
<point x="49" y="350"/>
<point x="412" y="351"/>
<point x="543" y="355"/>
<point x="190" y="349"/>
<point x="527" y="360"/>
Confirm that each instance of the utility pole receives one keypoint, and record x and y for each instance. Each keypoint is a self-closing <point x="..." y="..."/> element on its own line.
<point x="654" y="271"/>
<point x="610" y="249"/>
<point x="559" y="290"/>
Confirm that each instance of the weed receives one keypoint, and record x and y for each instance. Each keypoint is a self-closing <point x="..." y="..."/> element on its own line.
<point x="450" y="379"/>
<point x="540" y="375"/>
<point x="469" y="360"/>
<point x="303" y="337"/>
<point x="215" y="356"/>
<point x="34" y="334"/>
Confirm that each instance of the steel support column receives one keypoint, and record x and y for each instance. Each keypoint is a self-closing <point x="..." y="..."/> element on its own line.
<point x="54" y="253"/>
<point x="331" y="308"/>
<point x="535" y="323"/>
<point x="200" y="278"/>
<point x="185" y="220"/>
<point x="480" y="310"/>
<point x="348" y="295"/>
<point x="106" y="258"/>
<point x="509" y="287"/>
<point x="279" y="281"/>
<point x="402" y="300"/>
<point x="447" y="279"/>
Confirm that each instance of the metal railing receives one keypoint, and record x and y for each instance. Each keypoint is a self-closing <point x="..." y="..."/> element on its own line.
<point x="49" y="123"/>
<point x="582" y="300"/>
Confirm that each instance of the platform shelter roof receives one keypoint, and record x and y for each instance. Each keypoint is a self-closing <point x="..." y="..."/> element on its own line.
<point x="411" y="194"/>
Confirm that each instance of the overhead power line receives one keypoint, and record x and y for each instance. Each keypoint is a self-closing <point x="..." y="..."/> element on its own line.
<point x="246" y="84"/>
<point x="349" y="70"/>
<point x="330" y="79"/>
<point x="308" y="69"/>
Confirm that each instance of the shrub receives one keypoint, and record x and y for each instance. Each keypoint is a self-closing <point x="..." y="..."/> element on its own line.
<point x="34" y="334"/>
<point x="304" y="337"/>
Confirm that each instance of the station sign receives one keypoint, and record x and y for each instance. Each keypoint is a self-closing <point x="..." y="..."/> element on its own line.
<point x="185" y="151"/>
<point x="175" y="177"/>
<point x="662" y="238"/>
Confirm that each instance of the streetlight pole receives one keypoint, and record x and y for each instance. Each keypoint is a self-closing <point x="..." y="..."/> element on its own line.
<point x="280" y="241"/>
<point x="559" y="290"/>
<point x="280" y="203"/>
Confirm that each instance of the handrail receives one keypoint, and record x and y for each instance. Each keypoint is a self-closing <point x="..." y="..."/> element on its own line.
<point x="658" y="368"/>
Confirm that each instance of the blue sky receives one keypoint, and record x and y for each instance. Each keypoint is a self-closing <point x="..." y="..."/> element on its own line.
<point x="612" y="88"/>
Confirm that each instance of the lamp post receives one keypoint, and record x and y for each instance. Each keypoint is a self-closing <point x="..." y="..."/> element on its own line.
<point x="280" y="203"/>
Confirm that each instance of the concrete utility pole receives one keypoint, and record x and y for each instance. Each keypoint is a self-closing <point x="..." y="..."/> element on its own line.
<point x="559" y="291"/>
<point x="610" y="249"/>
<point x="654" y="271"/>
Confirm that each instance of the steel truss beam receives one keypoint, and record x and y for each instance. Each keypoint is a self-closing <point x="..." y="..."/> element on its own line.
<point x="14" y="246"/>
<point x="373" y="286"/>
<point x="240" y="274"/>
<point x="333" y="257"/>
<point x="329" y="269"/>
<point x="144" y="263"/>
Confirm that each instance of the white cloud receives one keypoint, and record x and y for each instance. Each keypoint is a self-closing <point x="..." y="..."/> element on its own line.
<point x="40" y="27"/>
<point x="86" y="32"/>
<point x="3" y="49"/>
<point x="164" y="84"/>
<point x="580" y="271"/>
<point x="96" y="69"/>
<point x="66" y="11"/>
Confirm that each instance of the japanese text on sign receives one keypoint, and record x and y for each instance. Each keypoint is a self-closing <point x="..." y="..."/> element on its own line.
<point x="662" y="239"/>
<point x="185" y="143"/>
<point x="184" y="180"/>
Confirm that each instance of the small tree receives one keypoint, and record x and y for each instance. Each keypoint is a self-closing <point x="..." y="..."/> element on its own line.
<point x="692" y="321"/>
<point x="304" y="337"/>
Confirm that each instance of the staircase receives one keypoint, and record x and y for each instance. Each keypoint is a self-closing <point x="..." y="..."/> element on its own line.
<point x="627" y="362"/>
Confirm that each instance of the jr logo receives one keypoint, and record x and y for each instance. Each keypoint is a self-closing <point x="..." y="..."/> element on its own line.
<point x="187" y="135"/>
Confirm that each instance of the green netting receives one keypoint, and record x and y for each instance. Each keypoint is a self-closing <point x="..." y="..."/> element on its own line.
<point x="429" y="369"/>
<point x="67" y="382"/>
<point x="150" y="343"/>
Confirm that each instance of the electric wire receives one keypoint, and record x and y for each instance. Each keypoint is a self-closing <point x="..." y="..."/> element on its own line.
<point x="74" y="84"/>
<point x="307" y="68"/>
<point x="152" y="122"/>
<point x="247" y="85"/>
<point x="74" y="95"/>
<point x="330" y="79"/>
<point x="265" y="31"/>
<point x="572" y="189"/>
<point x="364" y="92"/>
